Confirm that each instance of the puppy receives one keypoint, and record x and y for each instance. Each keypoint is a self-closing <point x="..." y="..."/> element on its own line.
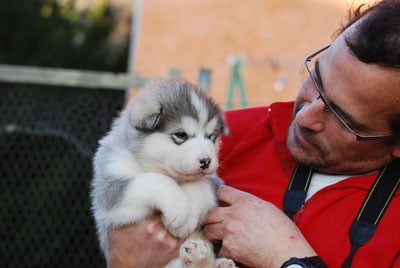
<point x="160" y="156"/>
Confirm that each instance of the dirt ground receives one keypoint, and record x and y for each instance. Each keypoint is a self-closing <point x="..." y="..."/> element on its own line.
<point x="273" y="36"/>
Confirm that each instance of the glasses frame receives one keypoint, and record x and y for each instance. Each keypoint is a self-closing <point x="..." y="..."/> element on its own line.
<point x="359" y="137"/>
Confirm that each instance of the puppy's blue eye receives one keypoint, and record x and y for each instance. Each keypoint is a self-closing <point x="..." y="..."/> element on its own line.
<point x="179" y="137"/>
<point x="211" y="137"/>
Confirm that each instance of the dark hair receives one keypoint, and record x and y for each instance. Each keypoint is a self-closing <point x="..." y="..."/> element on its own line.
<point x="377" y="37"/>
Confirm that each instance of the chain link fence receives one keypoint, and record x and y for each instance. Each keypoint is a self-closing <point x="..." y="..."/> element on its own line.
<point x="48" y="135"/>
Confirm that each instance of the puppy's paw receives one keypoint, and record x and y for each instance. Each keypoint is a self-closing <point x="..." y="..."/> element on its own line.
<point x="196" y="253"/>
<point x="182" y="231"/>
<point x="174" y="219"/>
<point x="187" y="228"/>
<point x="225" y="263"/>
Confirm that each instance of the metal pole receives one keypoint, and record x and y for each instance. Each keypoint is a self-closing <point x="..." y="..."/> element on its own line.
<point x="136" y="22"/>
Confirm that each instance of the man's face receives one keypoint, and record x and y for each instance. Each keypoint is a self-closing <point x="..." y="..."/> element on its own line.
<point x="368" y="96"/>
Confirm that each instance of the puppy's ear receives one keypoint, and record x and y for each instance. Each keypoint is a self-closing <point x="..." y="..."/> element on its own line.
<point x="225" y="128"/>
<point x="145" y="112"/>
<point x="150" y="122"/>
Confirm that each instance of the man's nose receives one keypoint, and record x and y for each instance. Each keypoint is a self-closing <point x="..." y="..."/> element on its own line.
<point x="311" y="115"/>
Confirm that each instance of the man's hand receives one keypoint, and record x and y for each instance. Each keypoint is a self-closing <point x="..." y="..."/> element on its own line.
<point x="143" y="244"/>
<point x="254" y="232"/>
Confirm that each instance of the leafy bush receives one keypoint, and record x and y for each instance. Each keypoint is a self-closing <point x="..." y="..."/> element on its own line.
<point x="57" y="33"/>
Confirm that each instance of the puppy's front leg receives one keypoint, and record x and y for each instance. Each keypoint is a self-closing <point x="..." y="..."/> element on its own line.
<point x="150" y="192"/>
<point x="201" y="198"/>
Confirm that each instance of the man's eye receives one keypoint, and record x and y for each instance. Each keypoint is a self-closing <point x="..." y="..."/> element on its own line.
<point x="326" y="107"/>
<point x="179" y="137"/>
<point x="316" y="78"/>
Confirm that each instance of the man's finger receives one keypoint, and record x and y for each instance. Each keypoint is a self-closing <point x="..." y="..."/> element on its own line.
<point x="223" y="253"/>
<point x="213" y="231"/>
<point x="228" y="194"/>
<point x="215" y="215"/>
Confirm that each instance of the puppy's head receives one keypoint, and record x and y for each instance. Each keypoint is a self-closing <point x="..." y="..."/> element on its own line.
<point x="178" y="129"/>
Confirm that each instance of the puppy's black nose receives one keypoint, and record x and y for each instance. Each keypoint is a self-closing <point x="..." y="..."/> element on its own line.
<point x="205" y="162"/>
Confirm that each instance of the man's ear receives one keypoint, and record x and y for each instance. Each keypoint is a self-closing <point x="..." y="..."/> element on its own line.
<point x="150" y="122"/>
<point x="396" y="150"/>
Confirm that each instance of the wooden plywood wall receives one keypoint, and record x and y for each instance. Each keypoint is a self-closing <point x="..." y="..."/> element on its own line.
<point x="273" y="36"/>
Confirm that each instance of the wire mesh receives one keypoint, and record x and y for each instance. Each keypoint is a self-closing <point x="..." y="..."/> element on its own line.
<point x="47" y="139"/>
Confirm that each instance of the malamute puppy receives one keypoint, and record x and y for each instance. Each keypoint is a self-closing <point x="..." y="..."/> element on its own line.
<point x="159" y="156"/>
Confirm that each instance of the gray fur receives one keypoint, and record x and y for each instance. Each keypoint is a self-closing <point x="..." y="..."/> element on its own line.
<point x="113" y="192"/>
<point x="177" y="102"/>
<point x="216" y="182"/>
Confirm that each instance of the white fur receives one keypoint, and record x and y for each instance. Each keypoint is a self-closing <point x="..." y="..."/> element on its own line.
<point x="200" y="107"/>
<point x="137" y="173"/>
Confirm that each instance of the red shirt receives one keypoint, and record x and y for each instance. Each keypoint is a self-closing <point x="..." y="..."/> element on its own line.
<point x="255" y="159"/>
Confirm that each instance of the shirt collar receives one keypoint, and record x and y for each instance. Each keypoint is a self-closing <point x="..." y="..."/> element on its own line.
<point x="281" y="114"/>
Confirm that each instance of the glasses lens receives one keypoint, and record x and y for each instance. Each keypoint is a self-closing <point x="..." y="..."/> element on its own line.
<point x="309" y="72"/>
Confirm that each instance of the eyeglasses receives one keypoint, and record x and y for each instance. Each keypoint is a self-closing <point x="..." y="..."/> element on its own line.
<point x="329" y="108"/>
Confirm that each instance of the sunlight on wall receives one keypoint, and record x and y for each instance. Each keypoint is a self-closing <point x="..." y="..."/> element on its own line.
<point x="272" y="36"/>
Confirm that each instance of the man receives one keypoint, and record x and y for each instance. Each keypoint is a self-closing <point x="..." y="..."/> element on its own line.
<point x="345" y="124"/>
